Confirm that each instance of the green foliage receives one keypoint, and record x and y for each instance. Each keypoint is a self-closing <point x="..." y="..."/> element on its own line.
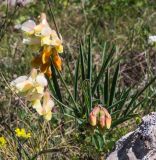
<point x="100" y="38"/>
<point x="101" y="86"/>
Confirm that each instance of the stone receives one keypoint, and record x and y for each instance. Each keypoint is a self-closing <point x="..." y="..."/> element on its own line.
<point x="139" y="144"/>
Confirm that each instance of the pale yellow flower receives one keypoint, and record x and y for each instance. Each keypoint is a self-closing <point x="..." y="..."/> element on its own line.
<point x="42" y="37"/>
<point x="30" y="85"/>
<point x="33" y="88"/>
<point x="41" y="34"/>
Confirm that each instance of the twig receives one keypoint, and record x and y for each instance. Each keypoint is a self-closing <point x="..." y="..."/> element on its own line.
<point x="22" y="103"/>
<point x="7" y="23"/>
<point x="53" y="150"/>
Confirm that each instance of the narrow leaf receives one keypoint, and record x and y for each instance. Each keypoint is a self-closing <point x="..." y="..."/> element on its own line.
<point x="106" y="88"/>
<point x="113" y="87"/>
<point x="89" y="61"/>
<point x="55" y="82"/>
<point x="82" y="63"/>
<point x="137" y="95"/>
<point x="101" y="73"/>
<point x="76" y="79"/>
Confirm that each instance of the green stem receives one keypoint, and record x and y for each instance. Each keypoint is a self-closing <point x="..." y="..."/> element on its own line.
<point x="68" y="90"/>
<point x="51" y="12"/>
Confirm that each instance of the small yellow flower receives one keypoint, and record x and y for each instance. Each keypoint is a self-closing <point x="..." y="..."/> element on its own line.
<point x="21" y="133"/>
<point x="2" y="141"/>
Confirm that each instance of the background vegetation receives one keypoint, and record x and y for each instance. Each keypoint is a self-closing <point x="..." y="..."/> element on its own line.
<point x="107" y="60"/>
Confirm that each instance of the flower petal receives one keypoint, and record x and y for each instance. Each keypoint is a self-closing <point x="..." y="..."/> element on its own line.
<point x="102" y="121"/>
<point x="48" y="72"/>
<point x="47" y="102"/>
<point x="37" y="61"/>
<point x="34" y="96"/>
<point x="21" y="84"/>
<point x="41" y="80"/>
<point x="46" y="41"/>
<point x="28" y="26"/>
<point x="19" y="80"/>
<point x="92" y="119"/>
<point x="46" y="98"/>
<point x="59" y="48"/>
<point x="40" y="89"/>
<point x="32" y="41"/>
<point x="46" y="54"/>
<point x="25" y="86"/>
<point x="57" y="61"/>
<point x="108" y="122"/>
<point x="106" y="113"/>
<point x="48" y="116"/>
<point x="33" y="73"/>
<point x="37" y="105"/>
<point x="46" y="31"/>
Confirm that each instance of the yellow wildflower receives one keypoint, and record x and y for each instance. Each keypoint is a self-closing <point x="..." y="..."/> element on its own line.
<point x="2" y="141"/>
<point x="21" y="133"/>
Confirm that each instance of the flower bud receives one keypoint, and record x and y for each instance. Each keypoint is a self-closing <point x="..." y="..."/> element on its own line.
<point x="108" y="119"/>
<point x="92" y="119"/>
<point x="102" y="118"/>
<point x="108" y="122"/>
<point x="99" y="115"/>
<point x="93" y="116"/>
<point x="96" y="110"/>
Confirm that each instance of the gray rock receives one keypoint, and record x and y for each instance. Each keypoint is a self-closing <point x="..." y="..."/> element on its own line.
<point x="139" y="144"/>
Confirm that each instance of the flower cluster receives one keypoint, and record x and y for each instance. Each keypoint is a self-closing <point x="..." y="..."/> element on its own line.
<point x="31" y="86"/>
<point x="43" y="38"/>
<point x="33" y="89"/>
<point x="2" y="142"/>
<point x="100" y="116"/>
<point x="21" y="133"/>
<point x="49" y="44"/>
